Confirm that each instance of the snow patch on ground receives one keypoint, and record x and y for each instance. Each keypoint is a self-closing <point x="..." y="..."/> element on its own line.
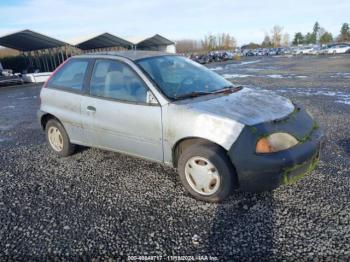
<point x="346" y="102"/>
<point x="217" y="68"/>
<point x="8" y="107"/>
<point x="27" y="97"/>
<point x="249" y="62"/>
<point x="275" y="76"/>
<point x="230" y="76"/>
<point x="341" y="97"/>
<point x="286" y="76"/>
<point x="254" y="69"/>
<point x="341" y="75"/>
<point x="4" y="128"/>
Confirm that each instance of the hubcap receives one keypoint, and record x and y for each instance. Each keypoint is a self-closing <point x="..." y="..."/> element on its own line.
<point x="55" y="138"/>
<point x="202" y="175"/>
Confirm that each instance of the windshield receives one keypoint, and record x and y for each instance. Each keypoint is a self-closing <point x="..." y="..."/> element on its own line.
<point x="179" y="77"/>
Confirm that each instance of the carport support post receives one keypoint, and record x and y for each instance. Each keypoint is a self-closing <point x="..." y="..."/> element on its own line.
<point x="31" y="62"/>
<point x="50" y="59"/>
<point x="58" y="55"/>
<point x="41" y="65"/>
<point x="53" y="62"/>
<point x="35" y="62"/>
<point x="36" y="53"/>
<point x="46" y="62"/>
<point x="61" y="53"/>
<point x="54" y="57"/>
<point x="66" y="52"/>
<point x="26" y="60"/>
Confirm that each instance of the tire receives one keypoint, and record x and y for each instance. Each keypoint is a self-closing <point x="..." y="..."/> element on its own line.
<point x="223" y="174"/>
<point x="65" y="148"/>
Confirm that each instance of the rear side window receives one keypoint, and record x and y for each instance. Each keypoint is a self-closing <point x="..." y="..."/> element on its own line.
<point x="70" y="76"/>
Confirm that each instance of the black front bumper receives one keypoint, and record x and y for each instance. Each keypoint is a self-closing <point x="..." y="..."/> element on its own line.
<point x="261" y="172"/>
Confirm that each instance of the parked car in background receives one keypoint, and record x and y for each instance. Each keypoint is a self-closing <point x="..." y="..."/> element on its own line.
<point x="315" y="50"/>
<point x="248" y="52"/>
<point x="272" y="51"/>
<point x="285" y="51"/>
<point x="8" y="78"/>
<point x="304" y="50"/>
<point x="169" y="109"/>
<point x="338" y="49"/>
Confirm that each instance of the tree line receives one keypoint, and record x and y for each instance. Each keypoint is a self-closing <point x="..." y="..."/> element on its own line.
<point x="275" y="38"/>
<point x="320" y="35"/>
<point x="210" y="42"/>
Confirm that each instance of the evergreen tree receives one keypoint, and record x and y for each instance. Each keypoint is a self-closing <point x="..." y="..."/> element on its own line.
<point x="298" y="39"/>
<point x="344" y="33"/>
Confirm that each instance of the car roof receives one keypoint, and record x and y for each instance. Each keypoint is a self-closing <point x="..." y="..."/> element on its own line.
<point x="132" y="55"/>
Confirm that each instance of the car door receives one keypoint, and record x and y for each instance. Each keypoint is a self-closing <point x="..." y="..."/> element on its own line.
<point x="116" y="114"/>
<point x="61" y="96"/>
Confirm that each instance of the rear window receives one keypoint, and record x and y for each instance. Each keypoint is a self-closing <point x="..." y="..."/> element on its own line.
<point x="70" y="76"/>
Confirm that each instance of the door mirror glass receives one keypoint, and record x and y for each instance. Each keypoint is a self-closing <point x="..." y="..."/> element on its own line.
<point x="151" y="99"/>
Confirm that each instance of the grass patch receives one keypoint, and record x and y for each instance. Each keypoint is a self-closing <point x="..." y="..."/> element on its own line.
<point x="289" y="180"/>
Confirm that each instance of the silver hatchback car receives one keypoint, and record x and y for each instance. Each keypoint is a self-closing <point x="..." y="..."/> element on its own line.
<point x="169" y="109"/>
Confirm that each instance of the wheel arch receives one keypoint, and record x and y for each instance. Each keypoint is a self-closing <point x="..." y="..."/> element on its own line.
<point x="185" y="142"/>
<point x="44" y="119"/>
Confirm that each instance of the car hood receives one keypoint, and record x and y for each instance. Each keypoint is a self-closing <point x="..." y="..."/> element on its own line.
<point x="247" y="106"/>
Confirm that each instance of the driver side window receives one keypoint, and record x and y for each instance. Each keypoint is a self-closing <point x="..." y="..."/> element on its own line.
<point x="116" y="80"/>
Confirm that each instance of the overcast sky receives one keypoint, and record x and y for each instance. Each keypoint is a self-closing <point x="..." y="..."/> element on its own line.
<point x="247" y="21"/>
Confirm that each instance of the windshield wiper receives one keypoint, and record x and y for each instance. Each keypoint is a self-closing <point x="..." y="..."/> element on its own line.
<point x="229" y="89"/>
<point x="226" y="89"/>
<point x="193" y="94"/>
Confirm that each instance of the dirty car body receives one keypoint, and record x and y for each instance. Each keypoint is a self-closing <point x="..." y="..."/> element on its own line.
<point x="172" y="109"/>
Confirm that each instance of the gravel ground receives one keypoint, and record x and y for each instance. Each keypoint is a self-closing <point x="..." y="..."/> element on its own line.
<point x="103" y="205"/>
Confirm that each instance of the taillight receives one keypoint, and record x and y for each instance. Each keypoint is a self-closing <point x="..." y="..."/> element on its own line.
<point x="54" y="72"/>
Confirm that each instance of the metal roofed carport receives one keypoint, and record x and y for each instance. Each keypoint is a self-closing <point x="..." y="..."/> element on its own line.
<point x="103" y="42"/>
<point x="28" y="40"/>
<point x="41" y="51"/>
<point x="158" y="43"/>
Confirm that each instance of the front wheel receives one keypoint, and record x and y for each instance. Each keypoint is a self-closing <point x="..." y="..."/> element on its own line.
<point x="206" y="172"/>
<point x="58" y="139"/>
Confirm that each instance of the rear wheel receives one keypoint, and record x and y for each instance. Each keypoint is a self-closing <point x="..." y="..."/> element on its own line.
<point x="58" y="139"/>
<point x="206" y="172"/>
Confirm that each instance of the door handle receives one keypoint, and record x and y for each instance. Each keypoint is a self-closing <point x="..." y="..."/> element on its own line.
<point x="91" y="109"/>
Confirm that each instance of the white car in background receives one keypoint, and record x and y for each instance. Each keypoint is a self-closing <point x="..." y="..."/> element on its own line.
<point x="315" y="50"/>
<point x="305" y="50"/>
<point x="338" y="49"/>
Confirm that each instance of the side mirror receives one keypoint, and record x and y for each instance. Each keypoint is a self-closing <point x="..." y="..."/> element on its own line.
<point x="150" y="99"/>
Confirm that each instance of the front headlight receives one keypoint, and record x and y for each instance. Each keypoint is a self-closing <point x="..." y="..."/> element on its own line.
<point x="275" y="142"/>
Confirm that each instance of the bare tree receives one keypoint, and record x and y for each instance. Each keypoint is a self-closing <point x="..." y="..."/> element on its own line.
<point x="209" y="42"/>
<point x="276" y="35"/>
<point x="285" y="41"/>
<point x="227" y="41"/>
<point x="219" y="41"/>
<point x="188" y="46"/>
<point x="4" y="52"/>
